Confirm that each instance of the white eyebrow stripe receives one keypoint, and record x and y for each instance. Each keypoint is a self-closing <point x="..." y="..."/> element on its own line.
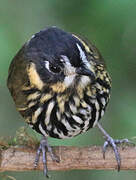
<point x="47" y="64"/>
<point x="83" y="56"/>
<point x="66" y="59"/>
<point x="69" y="69"/>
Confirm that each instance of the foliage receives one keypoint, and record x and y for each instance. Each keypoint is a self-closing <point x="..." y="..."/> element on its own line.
<point x="111" y="26"/>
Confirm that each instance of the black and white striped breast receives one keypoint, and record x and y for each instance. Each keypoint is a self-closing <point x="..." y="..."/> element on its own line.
<point x="60" y="116"/>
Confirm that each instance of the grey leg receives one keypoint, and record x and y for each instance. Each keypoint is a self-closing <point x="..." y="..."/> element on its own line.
<point x="44" y="147"/>
<point x="110" y="141"/>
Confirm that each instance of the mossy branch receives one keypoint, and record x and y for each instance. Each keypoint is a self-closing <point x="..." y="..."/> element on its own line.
<point x="22" y="159"/>
<point x="18" y="154"/>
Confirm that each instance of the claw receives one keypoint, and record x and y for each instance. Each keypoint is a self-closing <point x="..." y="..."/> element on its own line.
<point x="37" y="156"/>
<point x="53" y="156"/>
<point x="110" y="141"/>
<point x="44" y="147"/>
<point x="44" y="150"/>
<point x="115" y="149"/>
<point x="104" y="148"/>
<point x="117" y="141"/>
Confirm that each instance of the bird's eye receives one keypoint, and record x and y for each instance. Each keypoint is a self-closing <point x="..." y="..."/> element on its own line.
<point x="52" y="68"/>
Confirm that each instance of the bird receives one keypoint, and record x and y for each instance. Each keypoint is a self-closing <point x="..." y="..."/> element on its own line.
<point x="61" y="87"/>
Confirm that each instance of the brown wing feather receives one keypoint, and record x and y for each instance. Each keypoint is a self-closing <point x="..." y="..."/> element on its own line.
<point x="18" y="79"/>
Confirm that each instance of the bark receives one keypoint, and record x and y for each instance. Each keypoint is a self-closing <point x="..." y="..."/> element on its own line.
<point x="22" y="159"/>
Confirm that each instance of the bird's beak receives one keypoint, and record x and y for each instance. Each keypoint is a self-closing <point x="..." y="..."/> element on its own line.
<point x="86" y="72"/>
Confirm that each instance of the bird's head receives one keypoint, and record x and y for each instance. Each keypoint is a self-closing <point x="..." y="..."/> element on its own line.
<point x="59" y="60"/>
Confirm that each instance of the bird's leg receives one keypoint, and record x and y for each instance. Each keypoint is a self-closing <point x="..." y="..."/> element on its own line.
<point x="110" y="141"/>
<point x="44" y="147"/>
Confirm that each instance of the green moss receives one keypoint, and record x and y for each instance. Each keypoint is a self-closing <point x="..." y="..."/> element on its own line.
<point x="21" y="138"/>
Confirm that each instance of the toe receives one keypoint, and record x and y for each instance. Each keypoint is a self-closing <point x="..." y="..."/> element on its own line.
<point x="111" y="142"/>
<point x="104" y="148"/>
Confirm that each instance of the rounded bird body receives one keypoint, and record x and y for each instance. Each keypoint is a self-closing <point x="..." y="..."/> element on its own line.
<point x="59" y="83"/>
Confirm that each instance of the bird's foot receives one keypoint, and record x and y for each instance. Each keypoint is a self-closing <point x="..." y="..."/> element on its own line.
<point x="113" y="143"/>
<point x="44" y="147"/>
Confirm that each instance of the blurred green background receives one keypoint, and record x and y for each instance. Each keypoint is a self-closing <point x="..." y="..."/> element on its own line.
<point x="111" y="26"/>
